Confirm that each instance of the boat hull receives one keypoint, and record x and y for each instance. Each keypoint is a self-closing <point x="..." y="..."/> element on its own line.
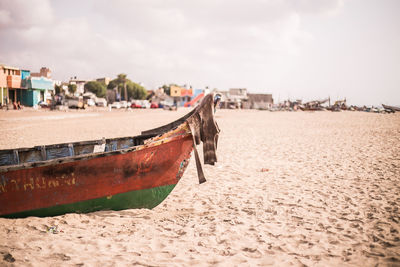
<point x="392" y="108"/>
<point x="141" y="178"/>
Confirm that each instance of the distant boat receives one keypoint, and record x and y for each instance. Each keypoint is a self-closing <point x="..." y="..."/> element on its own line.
<point x="392" y="108"/>
<point x="108" y="174"/>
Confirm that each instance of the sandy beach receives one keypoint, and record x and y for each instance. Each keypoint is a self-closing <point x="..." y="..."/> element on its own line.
<point x="289" y="189"/>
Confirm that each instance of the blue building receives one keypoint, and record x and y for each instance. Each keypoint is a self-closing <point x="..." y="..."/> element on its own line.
<point x="37" y="89"/>
<point x="25" y="74"/>
<point x="197" y="92"/>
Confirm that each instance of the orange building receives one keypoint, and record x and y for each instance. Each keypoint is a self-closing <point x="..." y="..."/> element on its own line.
<point x="175" y="91"/>
<point x="186" y="92"/>
<point x="181" y="95"/>
<point x="10" y="81"/>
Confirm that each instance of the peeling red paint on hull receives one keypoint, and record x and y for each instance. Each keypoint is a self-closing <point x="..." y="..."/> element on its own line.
<point x="36" y="188"/>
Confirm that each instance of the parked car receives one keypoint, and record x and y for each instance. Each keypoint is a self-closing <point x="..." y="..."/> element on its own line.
<point x="168" y="107"/>
<point x="145" y="103"/>
<point x="135" y="105"/>
<point x="75" y="102"/>
<point x="166" y="104"/>
<point x="116" y="105"/>
<point x="154" y="105"/>
<point x="90" y="102"/>
<point x="101" y="102"/>
<point x="89" y="99"/>
<point x="124" y="104"/>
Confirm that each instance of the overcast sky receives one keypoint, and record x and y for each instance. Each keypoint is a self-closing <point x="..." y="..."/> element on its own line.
<point x="306" y="49"/>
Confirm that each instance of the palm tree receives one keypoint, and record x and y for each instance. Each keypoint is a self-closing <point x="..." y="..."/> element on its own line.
<point x="122" y="78"/>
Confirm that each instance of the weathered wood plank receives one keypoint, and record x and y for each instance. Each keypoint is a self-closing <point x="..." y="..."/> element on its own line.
<point x="7" y="158"/>
<point x="57" y="152"/>
<point x="31" y="155"/>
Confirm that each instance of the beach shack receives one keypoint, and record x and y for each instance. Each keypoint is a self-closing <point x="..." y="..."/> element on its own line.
<point x="238" y="96"/>
<point x="36" y="89"/>
<point x="259" y="101"/>
<point x="234" y="98"/>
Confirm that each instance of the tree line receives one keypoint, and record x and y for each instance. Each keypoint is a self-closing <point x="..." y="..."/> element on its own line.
<point x="123" y="85"/>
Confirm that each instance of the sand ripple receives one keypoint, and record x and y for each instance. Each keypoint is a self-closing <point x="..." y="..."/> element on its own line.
<point x="289" y="189"/>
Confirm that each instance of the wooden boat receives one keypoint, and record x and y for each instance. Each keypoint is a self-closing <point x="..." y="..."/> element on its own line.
<point x="392" y="108"/>
<point x="314" y="105"/>
<point x="108" y="174"/>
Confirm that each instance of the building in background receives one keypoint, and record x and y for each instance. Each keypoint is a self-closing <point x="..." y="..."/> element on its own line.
<point x="3" y="85"/>
<point x="239" y="98"/>
<point x="234" y="98"/>
<point x="105" y="80"/>
<point x="64" y="87"/>
<point x="37" y="89"/>
<point x="44" y="72"/>
<point x="181" y="95"/>
<point x="259" y="101"/>
<point x="25" y="74"/>
<point x="160" y="98"/>
<point x="186" y="95"/>
<point x="197" y="92"/>
<point x="80" y="85"/>
<point x="10" y="84"/>
<point x="175" y="91"/>
<point x="238" y="95"/>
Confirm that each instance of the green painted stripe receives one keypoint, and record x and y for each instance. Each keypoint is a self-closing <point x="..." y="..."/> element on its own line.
<point x="145" y="198"/>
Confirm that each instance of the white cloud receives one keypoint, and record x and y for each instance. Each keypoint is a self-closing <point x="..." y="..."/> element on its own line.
<point x="329" y="7"/>
<point x="25" y="14"/>
<point x="170" y="36"/>
<point x="5" y="18"/>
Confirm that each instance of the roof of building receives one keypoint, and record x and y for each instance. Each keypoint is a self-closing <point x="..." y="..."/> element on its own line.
<point x="237" y="91"/>
<point x="38" y="83"/>
<point x="260" y="97"/>
<point x="8" y="67"/>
